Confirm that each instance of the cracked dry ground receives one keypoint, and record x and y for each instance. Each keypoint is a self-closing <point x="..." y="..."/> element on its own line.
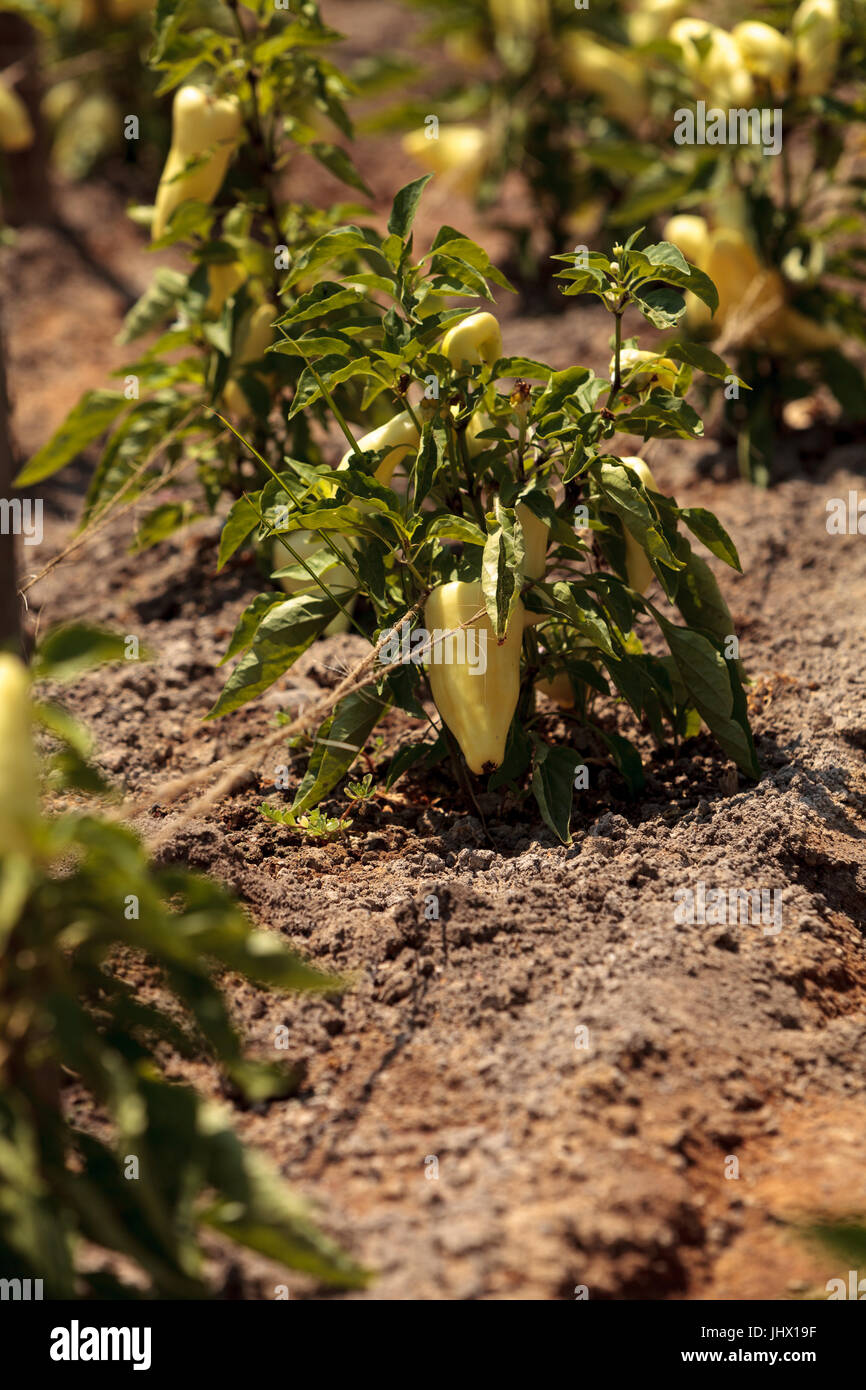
<point x="557" y="1167"/>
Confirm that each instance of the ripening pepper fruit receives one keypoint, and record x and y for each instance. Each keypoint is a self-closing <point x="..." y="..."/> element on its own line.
<point x="16" y="128"/>
<point x="19" y="783"/>
<point x="458" y="152"/>
<point x="476" y="339"/>
<point x="720" y="72"/>
<point x="477" y="707"/>
<point x="815" y="27"/>
<point x="520" y="19"/>
<point x="202" y="125"/>
<point x="223" y="279"/>
<point x="756" y="295"/>
<point x="401" y="433"/>
<point x="766" y="53"/>
<point x="614" y="77"/>
<point x="255" y="341"/>
<point x="637" y="566"/>
<point x="660" y="371"/>
<point x="536" y="534"/>
<point x="652" y="19"/>
<point x="338" y="579"/>
<point x="559" y="689"/>
<point x="690" y="234"/>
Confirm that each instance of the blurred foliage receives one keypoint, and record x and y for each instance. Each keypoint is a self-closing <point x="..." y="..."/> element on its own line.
<point x="82" y="912"/>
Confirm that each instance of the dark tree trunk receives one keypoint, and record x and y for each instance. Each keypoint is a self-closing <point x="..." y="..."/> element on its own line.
<point x="28" y="196"/>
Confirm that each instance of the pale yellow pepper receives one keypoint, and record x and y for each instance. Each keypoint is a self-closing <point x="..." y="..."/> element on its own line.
<point x="202" y="125"/>
<point x="816" y="45"/>
<point x="767" y="53"/>
<point x="19" y="784"/>
<point x="637" y="566"/>
<point x="16" y="128"/>
<point x="615" y="77"/>
<point x="458" y="152"/>
<point x="478" y="708"/>
<point x="478" y="339"/>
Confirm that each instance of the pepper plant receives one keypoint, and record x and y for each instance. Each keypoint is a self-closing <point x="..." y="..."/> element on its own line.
<point x="532" y="87"/>
<point x="255" y="95"/>
<point x="157" y="1167"/>
<point x="517" y="523"/>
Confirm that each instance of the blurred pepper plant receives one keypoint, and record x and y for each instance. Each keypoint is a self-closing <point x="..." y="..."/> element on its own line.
<point x="93" y="76"/>
<point x="262" y="73"/>
<point x="516" y="513"/>
<point x="538" y="86"/>
<point x="80" y="903"/>
<point x="781" y="233"/>
<point x="588" y="105"/>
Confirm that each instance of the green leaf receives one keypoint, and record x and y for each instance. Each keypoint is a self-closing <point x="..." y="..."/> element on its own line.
<point x="405" y="206"/>
<point x="553" y="785"/>
<point x="712" y="684"/>
<point x="501" y="569"/>
<point x="707" y="527"/>
<point x="68" y="650"/>
<point x="155" y="306"/>
<point x="699" y="356"/>
<point x="339" y="163"/>
<point x="338" y="742"/>
<point x="457" y="528"/>
<point x="248" y="623"/>
<point x="323" y="298"/>
<point x="84" y="423"/>
<point x="521" y="367"/>
<point x="338" y="241"/>
<point x="627" y="759"/>
<point x="283" y="635"/>
<point x="161" y="523"/>
<point x="662" y="306"/>
<point x="240" y="522"/>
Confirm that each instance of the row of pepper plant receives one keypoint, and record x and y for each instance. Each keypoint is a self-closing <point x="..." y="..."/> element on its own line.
<point x="587" y="108"/>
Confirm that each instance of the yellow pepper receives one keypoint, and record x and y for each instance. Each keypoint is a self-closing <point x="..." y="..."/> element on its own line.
<point x="520" y="19"/>
<point x="720" y="73"/>
<point x="202" y="125"/>
<point x="458" y="152"/>
<point x="536" y="534"/>
<point x="16" y="128"/>
<point x="19" y="784"/>
<point x="559" y="689"/>
<point x="690" y="234"/>
<point x="637" y="566"/>
<point x="651" y="19"/>
<point x="614" y="77"/>
<point x="766" y="53"/>
<point x="223" y="279"/>
<point x="476" y="339"/>
<point x="659" y="371"/>
<point x="477" y="708"/>
<point x="401" y="433"/>
<point x="816" y="45"/>
<point x="254" y="343"/>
